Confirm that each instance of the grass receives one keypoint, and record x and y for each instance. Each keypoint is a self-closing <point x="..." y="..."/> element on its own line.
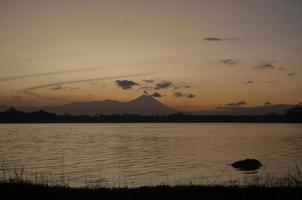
<point x="16" y="184"/>
<point x="22" y="190"/>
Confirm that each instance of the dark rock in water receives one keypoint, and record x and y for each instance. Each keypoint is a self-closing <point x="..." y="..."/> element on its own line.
<point x="247" y="164"/>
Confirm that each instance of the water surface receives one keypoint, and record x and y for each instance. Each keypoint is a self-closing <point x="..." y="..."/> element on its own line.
<point x="147" y="154"/>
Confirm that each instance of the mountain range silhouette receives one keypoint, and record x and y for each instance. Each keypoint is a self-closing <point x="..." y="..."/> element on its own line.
<point x="144" y="105"/>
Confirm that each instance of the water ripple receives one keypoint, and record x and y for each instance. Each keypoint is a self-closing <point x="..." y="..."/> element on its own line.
<point x="139" y="154"/>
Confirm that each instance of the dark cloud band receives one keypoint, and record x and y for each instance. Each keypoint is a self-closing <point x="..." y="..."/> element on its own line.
<point x="126" y="84"/>
<point x="156" y="94"/>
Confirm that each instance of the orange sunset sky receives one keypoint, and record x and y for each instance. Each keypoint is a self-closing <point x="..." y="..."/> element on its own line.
<point x="194" y="54"/>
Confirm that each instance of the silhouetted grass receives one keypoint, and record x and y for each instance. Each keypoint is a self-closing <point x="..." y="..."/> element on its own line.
<point x="15" y="184"/>
<point x="22" y="190"/>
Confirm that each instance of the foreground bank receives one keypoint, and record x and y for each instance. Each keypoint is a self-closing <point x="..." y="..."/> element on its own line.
<point x="21" y="190"/>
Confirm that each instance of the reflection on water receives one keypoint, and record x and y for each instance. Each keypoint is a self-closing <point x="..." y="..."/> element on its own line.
<point x="143" y="154"/>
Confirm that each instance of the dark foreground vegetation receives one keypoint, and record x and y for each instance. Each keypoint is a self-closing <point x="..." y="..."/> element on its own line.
<point x="15" y="184"/>
<point x="293" y="115"/>
<point x="31" y="191"/>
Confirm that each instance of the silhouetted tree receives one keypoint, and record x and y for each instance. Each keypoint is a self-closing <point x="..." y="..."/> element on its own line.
<point x="12" y="115"/>
<point x="294" y="114"/>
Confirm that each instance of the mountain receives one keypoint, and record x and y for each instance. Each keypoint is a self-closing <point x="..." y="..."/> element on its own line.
<point x="143" y="105"/>
<point x="146" y="105"/>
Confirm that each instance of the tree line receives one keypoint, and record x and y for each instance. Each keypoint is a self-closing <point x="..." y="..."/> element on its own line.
<point x="292" y="115"/>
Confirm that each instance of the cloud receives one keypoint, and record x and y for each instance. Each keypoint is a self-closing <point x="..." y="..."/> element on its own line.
<point x="158" y="85"/>
<point x="237" y="104"/>
<point x="191" y="96"/>
<point x="163" y="85"/>
<point x="178" y="94"/>
<point x="28" y="92"/>
<point x="10" y="78"/>
<point x="149" y="80"/>
<point x="181" y="86"/>
<point x="267" y="103"/>
<point x="181" y="94"/>
<point x="13" y="60"/>
<point x="291" y="74"/>
<point x="146" y="88"/>
<point x="217" y="39"/>
<point x="156" y="94"/>
<point x="267" y="64"/>
<point x="249" y="82"/>
<point x="233" y="105"/>
<point x="79" y="81"/>
<point x="270" y="82"/>
<point x="229" y="61"/>
<point x="126" y="84"/>
<point x="169" y="84"/>
<point x="212" y="39"/>
<point x="59" y="87"/>
<point x="70" y="88"/>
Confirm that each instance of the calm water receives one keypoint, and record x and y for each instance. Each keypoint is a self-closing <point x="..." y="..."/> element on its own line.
<point x="147" y="154"/>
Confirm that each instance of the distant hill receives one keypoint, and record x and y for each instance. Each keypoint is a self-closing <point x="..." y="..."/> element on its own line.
<point x="292" y="115"/>
<point x="143" y="105"/>
<point x="258" y="110"/>
<point x="146" y="105"/>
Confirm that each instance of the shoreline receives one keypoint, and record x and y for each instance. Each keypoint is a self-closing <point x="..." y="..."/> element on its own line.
<point x="15" y="116"/>
<point x="23" y="190"/>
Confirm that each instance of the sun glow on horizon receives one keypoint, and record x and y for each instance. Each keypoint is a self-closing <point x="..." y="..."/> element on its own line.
<point x="197" y="55"/>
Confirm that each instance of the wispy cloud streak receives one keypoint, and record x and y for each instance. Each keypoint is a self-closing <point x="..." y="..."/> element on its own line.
<point x="13" y="60"/>
<point x="30" y="93"/>
<point x="80" y="81"/>
<point x="229" y="61"/>
<point x="266" y="64"/>
<point x="217" y="39"/>
<point x="291" y="74"/>
<point x="11" y="78"/>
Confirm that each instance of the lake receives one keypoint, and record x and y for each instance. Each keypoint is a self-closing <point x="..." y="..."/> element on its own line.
<point x="149" y="153"/>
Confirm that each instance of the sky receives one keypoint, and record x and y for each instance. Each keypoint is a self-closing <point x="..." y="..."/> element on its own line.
<point x="190" y="55"/>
